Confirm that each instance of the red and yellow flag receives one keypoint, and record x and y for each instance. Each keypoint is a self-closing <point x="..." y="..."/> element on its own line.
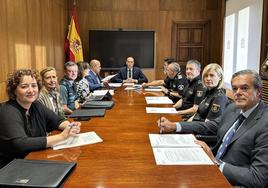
<point x="73" y="44"/>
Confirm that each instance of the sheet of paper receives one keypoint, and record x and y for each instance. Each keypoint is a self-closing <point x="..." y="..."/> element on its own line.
<point x="158" y="100"/>
<point x="172" y="140"/>
<point x="133" y="87"/>
<point x="100" y="92"/>
<point x="181" y="156"/>
<point x="155" y="110"/>
<point x="115" y="84"/>
<point x="79" y="140"/>
<point x="107" y="78"/>
<point x="153" y="89"/>
<point x="128" y="84"/>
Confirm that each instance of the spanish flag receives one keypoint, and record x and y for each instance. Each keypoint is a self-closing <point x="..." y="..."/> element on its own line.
<point x="73" y="44"/>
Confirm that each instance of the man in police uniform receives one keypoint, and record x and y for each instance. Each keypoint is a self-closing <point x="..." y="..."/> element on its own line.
<point x="167" y="61"/>
<point x="67" y="88"/>
<point x="175" y="82"/>
<point x="194" y="91"/>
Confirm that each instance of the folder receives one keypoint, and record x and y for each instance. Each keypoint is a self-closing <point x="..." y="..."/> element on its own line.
<point x="35" y="173"/>
<point x="82" y="113"/>
<point x="98" y="104"/>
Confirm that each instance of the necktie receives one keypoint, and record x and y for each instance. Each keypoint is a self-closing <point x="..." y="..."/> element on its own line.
<point x="229" y="136"/>
<point x="129" y="73"/>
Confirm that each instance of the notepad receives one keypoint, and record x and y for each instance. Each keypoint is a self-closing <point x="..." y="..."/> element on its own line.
<point x="177" y="149"/>
<point x="35" y="173"/>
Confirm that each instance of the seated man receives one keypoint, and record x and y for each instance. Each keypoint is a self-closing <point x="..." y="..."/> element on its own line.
<point x="93" y="76"/>
<point x="167" y="61"/>
<point x="175" y="82"/>
<point x="130" y="74"/>
<point x="67" y="88"/>
<point x="194" y="91"/>
<point x="242" y="133"/>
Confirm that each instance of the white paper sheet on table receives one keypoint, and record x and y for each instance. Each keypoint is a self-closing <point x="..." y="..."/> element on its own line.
<point x="155" y="110"/>
<point x="179" y="149"/>
<point x="78" y="140"/>
<point x="158" y="100"/>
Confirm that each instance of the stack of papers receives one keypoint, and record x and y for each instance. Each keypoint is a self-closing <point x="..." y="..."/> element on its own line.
<point x="153" y="88"/>
<point x="107" y="78"/>
<point x="175" y="149"/>
<point x="114" y="84"/>
<point x="78" y="140"/>
<point x="154" y="110"/>
<point x="158" y="100"/>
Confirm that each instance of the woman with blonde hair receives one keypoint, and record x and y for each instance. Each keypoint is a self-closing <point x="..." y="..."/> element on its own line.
<point x="49" y="94"/>
<point x="215" y="99"/>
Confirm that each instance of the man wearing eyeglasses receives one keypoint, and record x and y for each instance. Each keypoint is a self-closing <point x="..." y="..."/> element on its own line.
<point x="241" y="151"/>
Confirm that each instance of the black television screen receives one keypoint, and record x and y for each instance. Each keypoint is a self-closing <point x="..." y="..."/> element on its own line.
<point x="113" y="47"/>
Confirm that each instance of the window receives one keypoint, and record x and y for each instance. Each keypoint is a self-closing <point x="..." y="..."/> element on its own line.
<point x="242" y="36"/>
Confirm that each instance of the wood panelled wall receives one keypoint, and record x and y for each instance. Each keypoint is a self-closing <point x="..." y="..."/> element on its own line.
<point x="32" y="34"/>
<point x="157" y="15"/>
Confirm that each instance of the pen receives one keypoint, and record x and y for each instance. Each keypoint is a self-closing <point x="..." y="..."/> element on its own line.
<point x="160" y="125"/>
<point x="71" y="125"/>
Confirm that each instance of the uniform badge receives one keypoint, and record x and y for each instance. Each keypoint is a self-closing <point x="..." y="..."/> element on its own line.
<point x="215" y="108"/>
<point x="181" y="87"/>
<point x="199" y="93"/>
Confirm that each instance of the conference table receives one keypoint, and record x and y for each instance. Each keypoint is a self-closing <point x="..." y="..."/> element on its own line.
<point x="125" y="157"/>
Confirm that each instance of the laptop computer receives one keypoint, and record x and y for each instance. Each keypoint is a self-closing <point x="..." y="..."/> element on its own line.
<point x="98" y="104"/>
<point x="35" y="173"/>
<point x="95" y="98"/>
<point x="82" y="113"/>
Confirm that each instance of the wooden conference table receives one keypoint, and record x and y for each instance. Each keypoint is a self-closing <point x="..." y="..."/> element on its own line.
<point x="125" y="157"/>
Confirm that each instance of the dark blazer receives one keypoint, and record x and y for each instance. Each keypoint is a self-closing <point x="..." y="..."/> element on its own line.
<point x="136" y="74"/>
<point x="246" y="157"/>
<point x="93" y="81"/>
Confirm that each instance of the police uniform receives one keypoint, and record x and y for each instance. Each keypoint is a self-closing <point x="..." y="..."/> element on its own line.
<point x="176" y="84"/>
<point x="193" y="93"/>
<point x="68" y="93"/>
<point x="212" y="106"/>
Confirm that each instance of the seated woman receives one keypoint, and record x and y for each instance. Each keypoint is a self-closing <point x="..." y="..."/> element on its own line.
<point x="25" y="121"/>
<point x="82" y="85"/>
<point x="49" y="94"/>
<point x="215" y="99"/>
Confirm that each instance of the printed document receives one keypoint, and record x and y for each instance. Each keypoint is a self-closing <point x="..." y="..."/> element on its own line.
<point x="153" y="89"/>
<point x="100" y="92"/>
<point x="177" y="149"/>
<point x="115" y="84"/>
<point x="158" y="100"/>
<point x="156" y="110"/>
<point x="107" y="78"/>
<point x="78" y="140"/>
<point x="172" y="140"/>
<point x="181" y="156"/>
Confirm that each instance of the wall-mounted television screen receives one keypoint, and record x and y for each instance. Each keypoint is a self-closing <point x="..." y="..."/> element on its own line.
<point x="113" y="47"/>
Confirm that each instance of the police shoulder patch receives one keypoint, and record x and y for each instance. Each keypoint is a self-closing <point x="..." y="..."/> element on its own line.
<point x="215" y="108"/>
<point x="199" y="93"/>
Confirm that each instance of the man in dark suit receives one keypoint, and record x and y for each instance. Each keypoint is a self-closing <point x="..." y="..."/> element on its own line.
<point x="130" y="74"/>
<point x="241" y="151"/>
<point x="93" y="76"/>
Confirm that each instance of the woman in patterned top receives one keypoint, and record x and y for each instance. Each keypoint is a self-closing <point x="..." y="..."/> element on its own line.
<point x="81" y="83"/>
